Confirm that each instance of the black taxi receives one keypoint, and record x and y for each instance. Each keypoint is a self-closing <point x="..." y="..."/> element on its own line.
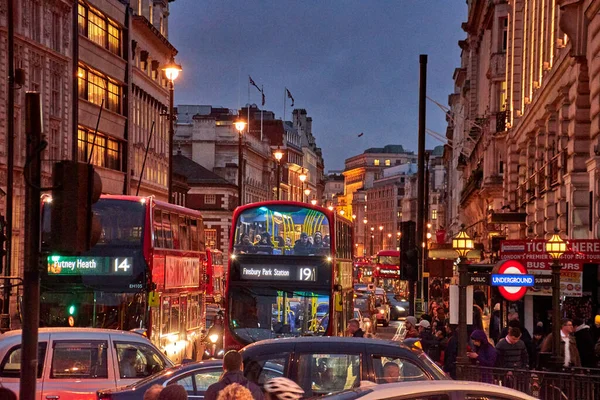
<point x="326" y="365"/>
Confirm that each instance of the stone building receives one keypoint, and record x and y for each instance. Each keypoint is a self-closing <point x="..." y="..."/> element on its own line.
<point x="312" y="162"/>
<point x="43" y="51"/>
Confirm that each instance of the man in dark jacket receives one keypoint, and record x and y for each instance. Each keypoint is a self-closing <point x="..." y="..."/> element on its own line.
<point x="513" y="322"/>
<point x="451" y="350"/>
<point x="354" y="328"/>
<point x="585" y="343"/>
<point x="511" y="351"/>
<point x="232" y="365"/>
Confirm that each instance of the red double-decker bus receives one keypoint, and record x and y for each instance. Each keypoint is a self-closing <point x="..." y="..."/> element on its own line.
<point x="215" y="285"/>
<point x="363" y="270"/>
<point x="387" y="270"/>
<point x="296" y="280"/>
<point x="145" y="273"/>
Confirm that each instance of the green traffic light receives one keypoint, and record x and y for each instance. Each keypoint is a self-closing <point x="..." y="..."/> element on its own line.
<point x="71" y="310"/>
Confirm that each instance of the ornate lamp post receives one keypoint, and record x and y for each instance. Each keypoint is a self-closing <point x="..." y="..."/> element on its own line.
<point x="302" y="178"/>
<point x="462" y="244"/>
<point x="240" y="126"/>
<point x="389" y="239"/>
<point x="313" y="202"/>
<point x="398" y="235"/>
<point x="278" y="154"/>
<point x="372" y="237"/>
<point x="364" y="235"/>
<point x="307" y="193"/>
<point x="172" y="71"/>
<point x="380" y="237"/>
<point x="556" y="247"/>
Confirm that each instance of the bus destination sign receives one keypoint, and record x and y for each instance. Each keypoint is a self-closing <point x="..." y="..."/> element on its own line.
<point x="279" y="273"/>
<point x="63" y="265"/>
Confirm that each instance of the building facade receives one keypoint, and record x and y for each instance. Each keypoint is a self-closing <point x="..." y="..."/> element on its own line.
<point x="43" y="52"/>
<point x="530" y="65"/>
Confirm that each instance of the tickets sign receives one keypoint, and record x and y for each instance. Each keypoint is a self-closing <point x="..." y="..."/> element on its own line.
<point x="532" y="254"/>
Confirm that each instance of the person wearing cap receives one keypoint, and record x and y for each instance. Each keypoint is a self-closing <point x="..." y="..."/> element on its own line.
<point x="410" y="325"/>
<point x="427" y="340"/>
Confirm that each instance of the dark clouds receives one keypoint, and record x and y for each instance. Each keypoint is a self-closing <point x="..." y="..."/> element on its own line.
<point x="354" y="65"/>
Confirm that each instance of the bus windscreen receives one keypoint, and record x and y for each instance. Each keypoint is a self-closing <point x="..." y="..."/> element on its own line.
<point x="282" y="230"/>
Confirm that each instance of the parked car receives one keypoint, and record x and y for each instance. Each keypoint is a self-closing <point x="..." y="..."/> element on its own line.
<point x="73" y="363"/>
<point x="399" y="306"/>
<point x="324" y="365"/>
<point x="383" y="307"/>
<point x="194" y="377"/>
<point x="440" y="390"/>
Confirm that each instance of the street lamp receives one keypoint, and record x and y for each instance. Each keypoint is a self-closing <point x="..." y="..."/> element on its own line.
<point x="372" y="238"/>
<point x="172" y="71"/>
<point x="330" y="208"/>
<point x="462" y="244"/>
<point x="313" y="202"/>
<point x="307" y="193"/>
<point x="278" y="154"/>
<point x="240" y="125"/>
<point x="302" y="178"/>
<point x="381" y="237"/>
<point x="556" y="247"/>
<point x="342" y="212"/>
<point x="398" y="235"/>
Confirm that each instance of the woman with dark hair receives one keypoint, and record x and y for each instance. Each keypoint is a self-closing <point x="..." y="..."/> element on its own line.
<point x="484" y="354"/>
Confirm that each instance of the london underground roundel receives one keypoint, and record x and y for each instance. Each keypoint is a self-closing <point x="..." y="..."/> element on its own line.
<point x="512" y="267"/>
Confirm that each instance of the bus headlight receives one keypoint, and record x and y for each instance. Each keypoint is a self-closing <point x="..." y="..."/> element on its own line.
<point x="213" y="338"/>
<point x="381" y="311"/>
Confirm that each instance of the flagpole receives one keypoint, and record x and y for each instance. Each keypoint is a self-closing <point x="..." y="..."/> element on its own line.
<point x="284" y="101"/>
<point x="262" y="92"/>
<point x="248" y="105"/>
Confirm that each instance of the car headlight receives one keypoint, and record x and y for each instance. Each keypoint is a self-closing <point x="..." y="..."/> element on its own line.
<point x="401" y="309"/>
<point x="213" y="338"/>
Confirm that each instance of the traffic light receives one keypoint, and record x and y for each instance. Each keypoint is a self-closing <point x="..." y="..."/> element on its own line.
<point x="409" y="253"/>
<point x="72" y="309"/>
<point x="76" y="187"/>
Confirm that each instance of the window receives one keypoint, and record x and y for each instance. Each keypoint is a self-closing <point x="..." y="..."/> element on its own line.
<point x="206" y="378"/>
<point x="11" y="365"/>
<point x="263" y="368"/>
<point x="168" y="235"/>
<point x="434" y="214"/>
<point x="95" y="88"/>
<point x="151" y="14"/>
<point x="376" y="162"/>
<point x="55" y="32"/>
<point x="388" y="163"/>
<point x="194" y="234"/>
<point x="504" y="37"/>
<point x="194" y="307"/>
<point x="106" y="151"/>
<point x="158" y="232"/>
<point x="35" y="78"/>
<point x="36" y="22"/>
<point x="211" y="237"/>
<point x="54" y="152"/>
<point x="139" y="9"/>
<point x="79" y="360"/>
<point x="55" y="83"/>
<point x="210" y="199"/>
<point x="388" y="370"/>
<point x="184" y="237"/>
<point x="99" y="29"/>
<point x="137" y="360"/>
<point x="321" y="374"/>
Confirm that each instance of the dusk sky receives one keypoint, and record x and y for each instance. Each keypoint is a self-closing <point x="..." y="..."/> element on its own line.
<point x="352" y="64"/>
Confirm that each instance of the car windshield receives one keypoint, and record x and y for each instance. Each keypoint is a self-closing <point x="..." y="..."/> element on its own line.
<point x="282" y="230"/>
<point x="361" y="304"/>
<point x="264" y="313"/>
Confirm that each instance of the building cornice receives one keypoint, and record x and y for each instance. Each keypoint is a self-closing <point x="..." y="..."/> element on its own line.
<point x="142" y="21"/>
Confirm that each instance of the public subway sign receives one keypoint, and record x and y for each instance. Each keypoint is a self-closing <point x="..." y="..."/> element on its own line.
<point x="512" y="280"/>
<point x="532" y="254"/>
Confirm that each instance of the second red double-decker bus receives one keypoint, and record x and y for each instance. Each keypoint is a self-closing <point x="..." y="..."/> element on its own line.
<point x="145" y="273"/>
<point x="290" y="273"/>
<point x="387" y="270"/>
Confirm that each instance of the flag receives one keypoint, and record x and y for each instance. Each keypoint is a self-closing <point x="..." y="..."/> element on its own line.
<point x="263" y="98"/>
<point x="289" y="95"/>
<point x="253" y="83"/>
<point x="360" y="134"/>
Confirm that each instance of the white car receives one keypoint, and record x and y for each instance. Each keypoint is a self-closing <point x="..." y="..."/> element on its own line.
<point x="433" y="390"/>
<point x="383" y="307"/>
<point x="74" y="363"/>
<point x="365" y="323"/>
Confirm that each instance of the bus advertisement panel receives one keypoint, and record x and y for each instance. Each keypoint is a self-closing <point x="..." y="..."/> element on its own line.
<point x="144" y="274"/>
<point x="290" y="273"/>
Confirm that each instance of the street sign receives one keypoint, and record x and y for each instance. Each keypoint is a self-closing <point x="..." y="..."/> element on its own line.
<point x="512" y="280"/>
<point x="543" y="280"/>
<point x="479" y="279"/>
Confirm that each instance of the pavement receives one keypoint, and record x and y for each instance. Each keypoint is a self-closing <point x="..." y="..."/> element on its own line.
<point x="390" y="331"/>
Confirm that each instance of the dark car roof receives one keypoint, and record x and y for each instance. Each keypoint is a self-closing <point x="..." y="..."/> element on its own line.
<point x="327" y="340"/>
